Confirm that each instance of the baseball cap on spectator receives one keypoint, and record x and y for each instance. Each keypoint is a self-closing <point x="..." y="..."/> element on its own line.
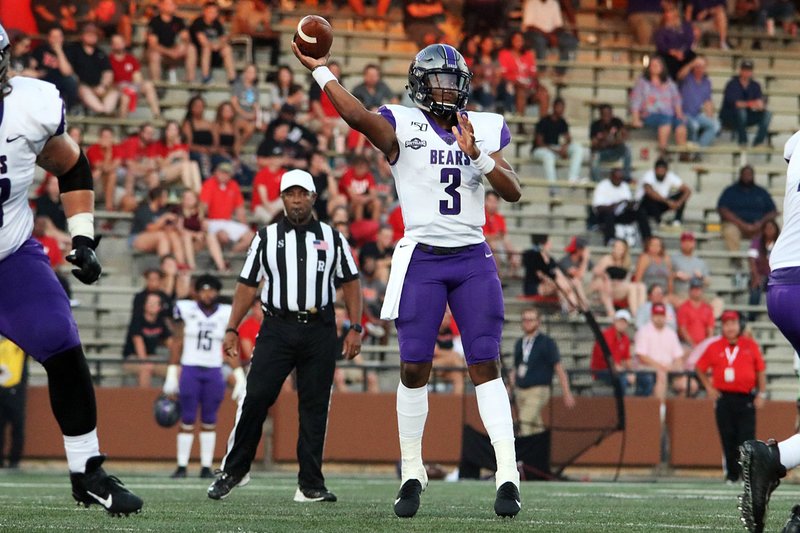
<point x="299" y="178"/>
<point x="687" y="236"/>
<point x="729" y="315"/>
<point x="225" y="166"/>
<point x="575" y="244"/>
<point x="659" y="309"/>
<point x="746" y="64"/>
<point x="622" y="314"/>
<point x="696" y="282"/>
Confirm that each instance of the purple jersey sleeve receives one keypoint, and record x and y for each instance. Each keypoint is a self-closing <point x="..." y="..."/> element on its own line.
<point x="388" y="115"/>
<point x="505" y="136"/>
<point x="62" y="126"/>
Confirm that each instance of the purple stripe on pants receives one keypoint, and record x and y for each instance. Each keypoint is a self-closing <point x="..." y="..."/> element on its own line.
<point x="34" y="309"/>
<point x="204" y="387"/>
<point x="466" y="280"/>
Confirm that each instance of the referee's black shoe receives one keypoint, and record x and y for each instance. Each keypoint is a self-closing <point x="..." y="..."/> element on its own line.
<point x="761" y="471"/>
<point x="507" y="503"/>
<point x="313" y="495"/>
<point x="225" y="483"/>
<point x="793" y="525"/>
<point x="407" y="502"/>
<point x="96" y="487"/>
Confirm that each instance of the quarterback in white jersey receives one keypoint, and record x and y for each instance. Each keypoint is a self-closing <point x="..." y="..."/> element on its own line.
<point x="439" y="154"/>
<point x="197" y="345"/>
<point x="34" y="309"/>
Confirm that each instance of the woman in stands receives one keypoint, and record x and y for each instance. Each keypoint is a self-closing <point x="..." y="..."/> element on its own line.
<point x="199" y="133"/>
<point x="176" y="164"/>
<point x="654" y="265"/>
<point x="284" y="90"/>
<point x="518" y="67"/>
<point x="195" y="232"/>
<point x="245" y="98"/>
<point x="612" y="280"/>
<point x="656" y="104"/>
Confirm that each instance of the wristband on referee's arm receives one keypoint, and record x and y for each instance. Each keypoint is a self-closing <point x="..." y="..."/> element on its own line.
<point x="232" y="330"/>
<point x="322" y="75"/>
<point x="484" y="163"/>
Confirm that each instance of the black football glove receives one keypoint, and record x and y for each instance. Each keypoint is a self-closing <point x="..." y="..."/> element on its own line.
<point x="83" y="257"/>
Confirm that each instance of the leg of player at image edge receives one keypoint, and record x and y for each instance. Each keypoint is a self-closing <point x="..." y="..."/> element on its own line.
<point x="185" y="440"/>
<point x="73" y="403"/>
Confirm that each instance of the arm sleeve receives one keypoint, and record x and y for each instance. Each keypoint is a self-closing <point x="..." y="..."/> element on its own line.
<point x="253" y="270"/>
<point x="346" y="269"/>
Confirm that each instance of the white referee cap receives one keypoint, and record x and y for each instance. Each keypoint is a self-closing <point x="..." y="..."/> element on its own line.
<point x="298" y="177"/>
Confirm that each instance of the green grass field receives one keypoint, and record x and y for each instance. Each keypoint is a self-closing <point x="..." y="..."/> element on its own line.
<point x="41" y="502"/>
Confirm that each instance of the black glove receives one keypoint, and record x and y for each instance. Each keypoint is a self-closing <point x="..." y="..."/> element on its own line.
<point x="83" y="257"/>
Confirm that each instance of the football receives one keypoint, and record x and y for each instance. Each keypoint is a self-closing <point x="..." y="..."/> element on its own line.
<point x="314" y="36"/>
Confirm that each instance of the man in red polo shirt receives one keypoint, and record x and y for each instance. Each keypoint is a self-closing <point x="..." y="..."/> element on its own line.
<point x="497" y="236"/>
<point x="737" y="385"/>
<point x="266" y="203"/>
<point x="129" y="81"/>
<point x="619" y="343"/>
<point x="223" y="201"/>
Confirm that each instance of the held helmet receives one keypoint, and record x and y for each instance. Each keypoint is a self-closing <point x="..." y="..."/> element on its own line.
<point x="167" y="411"/>
<point x="439" y="71"/>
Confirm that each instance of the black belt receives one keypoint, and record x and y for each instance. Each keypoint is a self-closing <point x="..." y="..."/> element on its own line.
<point x="301" y="317"/>
<point x="444" y="250"/>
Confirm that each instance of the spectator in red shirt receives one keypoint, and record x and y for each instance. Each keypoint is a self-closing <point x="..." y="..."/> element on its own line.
<point x="52" y="250"/>
<point x="139" y="155"/>
<point x="518" y="65"/>
<point x="128" y="78"/>
<point x="505" y="253"/>
<point x="695" y="316"/>
<point x="114" y="16"/>
<point x="395" y="220"/>
<point x="619" y="343"/>
<point x="325" y="120"/>
<point x="266" y="203"/>
<point x="737" y="387"/>
<point x="358" y="185"/>
<point x="104" y="157"/>
<point x="223" y="201"/>
<point x="175" y="161"/>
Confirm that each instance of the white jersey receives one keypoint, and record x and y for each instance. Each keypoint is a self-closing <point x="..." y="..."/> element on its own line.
<point x="31" y="114"/>
<point x="441" y="193"/>
<point x="786" y="252"/>
<point x="202" y="333"/>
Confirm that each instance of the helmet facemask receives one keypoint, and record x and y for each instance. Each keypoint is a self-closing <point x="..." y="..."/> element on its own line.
<point x="448" y="91"/>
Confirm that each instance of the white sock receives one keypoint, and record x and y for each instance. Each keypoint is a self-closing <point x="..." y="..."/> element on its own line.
<point x="208" y="440"/>
<point x="495" y="410"/>
<point x="79" y="449"/>
<point x="412" y="411"/>
<point x="185" y="441"/>
<point x="790" y="452"/>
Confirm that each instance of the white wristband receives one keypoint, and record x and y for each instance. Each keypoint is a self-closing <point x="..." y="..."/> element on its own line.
<point x="81" y="224"/>
<point x="484" y="163"/>
<point x="322" y="75"/>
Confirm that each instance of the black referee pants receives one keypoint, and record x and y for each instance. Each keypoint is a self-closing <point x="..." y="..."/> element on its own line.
<point x="282" y="345"/>
<point x="736" y="422"/>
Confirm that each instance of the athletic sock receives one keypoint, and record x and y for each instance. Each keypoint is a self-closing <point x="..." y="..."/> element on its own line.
<point x="495" y="410"/>
<point x="412" y="411"/>
<point x="790" y="452"/>
<point x="185" y="441"/>
<point x="79" y="449"/>
<point x="208" y="440"/>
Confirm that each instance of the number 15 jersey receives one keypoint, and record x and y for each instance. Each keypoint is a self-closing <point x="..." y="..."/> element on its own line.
<point x="441" y="192"/>
<point x="202" y="333"/>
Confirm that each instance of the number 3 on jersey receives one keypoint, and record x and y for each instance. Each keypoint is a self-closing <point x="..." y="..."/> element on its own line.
<point x="451" y="176"/>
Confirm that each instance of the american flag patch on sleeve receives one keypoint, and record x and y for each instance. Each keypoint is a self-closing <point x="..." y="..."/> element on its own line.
<point x="320" y="245"/>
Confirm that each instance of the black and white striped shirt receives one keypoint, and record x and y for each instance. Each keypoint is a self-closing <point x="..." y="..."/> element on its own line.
<point x="300" y="265"/>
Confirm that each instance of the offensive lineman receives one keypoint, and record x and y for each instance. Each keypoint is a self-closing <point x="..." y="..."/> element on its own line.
<point x="34" y="310"/>
<point x="765" y="463"/>
<point x="197" y="344"/>
<point x="438" y="160"/>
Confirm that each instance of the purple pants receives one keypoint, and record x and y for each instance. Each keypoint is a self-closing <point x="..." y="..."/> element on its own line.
<point x="468" y="281"/>
<point x="204" y="387"/>
<point x="34" y="309"/>
<point x="783" y="293"/>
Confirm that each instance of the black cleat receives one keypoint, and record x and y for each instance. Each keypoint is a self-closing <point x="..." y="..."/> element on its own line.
<point x="793" y="525"/>
<point x="313" y="495"/>
<point x="761" y="471"/>
<point x="97" y="487"/>
<point x="407" y="502"/>
<point x="225" y="483"/>
<point x="507" y="503"/>
<point x="179" y="473"/>
<point x="206" y="473"/>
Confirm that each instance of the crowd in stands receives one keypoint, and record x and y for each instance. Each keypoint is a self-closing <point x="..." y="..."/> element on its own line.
<point x="206" y="182"/>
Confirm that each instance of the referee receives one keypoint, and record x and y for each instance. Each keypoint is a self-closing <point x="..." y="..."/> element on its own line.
<point x="300" y="259"/>
<point x="737" y="384"/>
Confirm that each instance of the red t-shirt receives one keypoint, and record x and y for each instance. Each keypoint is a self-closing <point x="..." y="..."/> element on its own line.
<point x="132" y="148"/>
<point x="619" y="344"/>
<point x="248" y="330"/>
<point x="221" y="201"/>
<point x="327" y="106"/>
<point x="95" y="154"/>
<point x="124" y="68"/>
<point x="269" y="179"/>
<point x="518" y="68"/>
<point x="52" y="250"/>
<point x="738" y="363"/>
<point x="395" y="220"/>
<point x="361" y="184"/>
<point x="696" y="320"/>
<point x="495" y="225"/>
